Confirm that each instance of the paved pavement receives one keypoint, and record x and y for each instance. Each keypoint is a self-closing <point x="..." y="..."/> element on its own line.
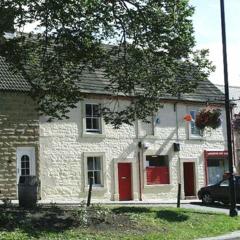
<point x="230" y="236"/>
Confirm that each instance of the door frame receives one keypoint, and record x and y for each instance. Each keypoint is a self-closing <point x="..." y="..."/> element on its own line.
<point x="26" y="150"/>
<point x="134" y="172"/>
<point x="196" y="183"/>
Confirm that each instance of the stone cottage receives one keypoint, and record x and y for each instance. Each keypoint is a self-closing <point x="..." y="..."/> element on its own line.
<point x="139" y="162"/>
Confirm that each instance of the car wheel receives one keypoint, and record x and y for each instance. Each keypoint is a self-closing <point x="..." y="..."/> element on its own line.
<point x="207" y="198"/>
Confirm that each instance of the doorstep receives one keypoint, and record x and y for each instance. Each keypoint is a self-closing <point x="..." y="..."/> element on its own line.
<point x="190" y="197"/>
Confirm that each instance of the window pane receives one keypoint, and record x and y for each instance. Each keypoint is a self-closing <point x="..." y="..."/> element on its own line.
<point x="192" y="113"/>
<point x="96" y="112"/>
<point x="22" y="164"/>
<point x="23" y="172"/>
<point x="27" y="164"/>
<point x="194" y="129"/>
<point x="90" y="174"/>
<point x="24" y="158"/>
<point x="27" y="172"/>
<point x="97" y="162"/>
<point x="97" y="177"/>
<point x="88" y="110"/>
<point x="225" y="183"/>
<point x="96" y="123"/>
<point x="89" y="123"/>
<point x="157" y="160"/>
<point x="90" y="163"/>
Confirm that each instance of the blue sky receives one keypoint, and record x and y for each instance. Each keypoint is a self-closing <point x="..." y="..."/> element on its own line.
<point x="207" y="24"/>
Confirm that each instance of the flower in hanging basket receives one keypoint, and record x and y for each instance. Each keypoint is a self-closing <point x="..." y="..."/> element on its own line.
<point x="208" y="117"/>
<point x="188" y="118"/>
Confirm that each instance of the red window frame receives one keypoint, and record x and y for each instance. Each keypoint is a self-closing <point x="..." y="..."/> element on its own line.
<point x="157" y="175"/>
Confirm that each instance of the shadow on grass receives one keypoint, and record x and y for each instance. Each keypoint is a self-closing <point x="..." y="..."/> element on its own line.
<point x="120" y="210"/>
<point x="35" y="222"/>
<point x="171" y="216"/>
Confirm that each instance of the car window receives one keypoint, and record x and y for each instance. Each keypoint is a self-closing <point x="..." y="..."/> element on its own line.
<point x="238" y="181"/>
<point x="224" y="183"/>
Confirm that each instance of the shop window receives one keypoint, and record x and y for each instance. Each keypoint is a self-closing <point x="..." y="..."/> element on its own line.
<point x="216" y="167"/>
<point x="157" y="170"/>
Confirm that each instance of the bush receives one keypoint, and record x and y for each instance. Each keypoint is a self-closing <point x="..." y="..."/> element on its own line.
<point x="91" y="215"/>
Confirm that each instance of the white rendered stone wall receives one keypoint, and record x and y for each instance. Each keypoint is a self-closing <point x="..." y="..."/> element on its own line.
<point x="63" y="145"/>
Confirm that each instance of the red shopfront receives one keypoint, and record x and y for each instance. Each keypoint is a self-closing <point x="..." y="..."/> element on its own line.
<point x="216" y="164"/>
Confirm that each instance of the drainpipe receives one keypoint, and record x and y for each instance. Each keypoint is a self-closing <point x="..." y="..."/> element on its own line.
<point x="139" y="171"/>
<point x="179" y="162"/>
<point x="233" y="140"/>
<point x="139" y="161"/>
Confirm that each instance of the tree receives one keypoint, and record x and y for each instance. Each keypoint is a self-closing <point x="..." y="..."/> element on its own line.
<point x="144" y="47"/>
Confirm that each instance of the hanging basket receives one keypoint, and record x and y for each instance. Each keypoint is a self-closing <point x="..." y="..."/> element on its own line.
<point x="208" y="117"/>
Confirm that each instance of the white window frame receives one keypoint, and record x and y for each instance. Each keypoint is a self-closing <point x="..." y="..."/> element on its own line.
<point x="102" y="157"/>
<point x="190" y="134"/>
<point x="29" y="151"/>
<point x="85" y="131"/>
<point x="92" y="117"/>
<point x="96" y="170"/>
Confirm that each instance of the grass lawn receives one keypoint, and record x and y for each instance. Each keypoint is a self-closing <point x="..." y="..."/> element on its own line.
<point x="112" y="223"/>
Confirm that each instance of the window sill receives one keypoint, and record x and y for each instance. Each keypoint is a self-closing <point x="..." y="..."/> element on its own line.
<point x="93" y="135"/>
<point x="151" y="137"/>
<point x="195" y="137"/>
<point x="158" y="186"/>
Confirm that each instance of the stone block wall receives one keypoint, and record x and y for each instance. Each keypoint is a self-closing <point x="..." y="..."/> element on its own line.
<point x="19" y="127"/>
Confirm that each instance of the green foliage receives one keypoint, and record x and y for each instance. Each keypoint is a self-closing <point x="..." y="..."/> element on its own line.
<point x="7" y="202"/>
<point x="94" y="214"/>
<point x="144" y="48"/>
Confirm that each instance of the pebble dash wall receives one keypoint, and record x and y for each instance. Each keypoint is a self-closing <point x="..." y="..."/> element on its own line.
<point x="63" y="145"/>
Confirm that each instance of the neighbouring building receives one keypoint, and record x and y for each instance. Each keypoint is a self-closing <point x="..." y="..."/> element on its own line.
<point x="19" y="132"/>
<point x="143" y="161"/>
<point x="234" y="93"/>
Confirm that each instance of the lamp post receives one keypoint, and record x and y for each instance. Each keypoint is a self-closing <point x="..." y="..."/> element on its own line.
<point x="233" y="210"/>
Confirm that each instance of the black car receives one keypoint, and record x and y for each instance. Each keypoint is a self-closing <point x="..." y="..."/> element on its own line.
<point x="219" y="192"/>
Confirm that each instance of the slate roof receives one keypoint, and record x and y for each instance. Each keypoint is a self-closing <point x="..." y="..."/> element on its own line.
<point x="11" y="81"/>
<point x="95" y="82"/>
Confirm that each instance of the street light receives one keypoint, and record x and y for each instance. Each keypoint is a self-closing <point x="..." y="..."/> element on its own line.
<point x="233" y="210"/>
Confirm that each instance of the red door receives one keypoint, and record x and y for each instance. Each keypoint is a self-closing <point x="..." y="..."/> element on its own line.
<point x="189" y="188"/>
<point x="125" y="181"/>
